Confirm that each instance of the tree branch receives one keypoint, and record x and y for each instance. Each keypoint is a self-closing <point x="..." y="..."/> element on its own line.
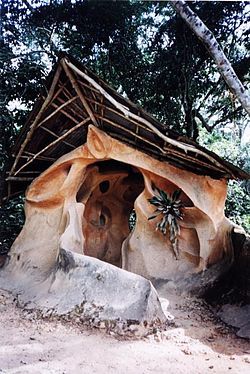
<point x="208" y="39"/>
<point x="204" y="123"/>
<point x="28" y="6"/>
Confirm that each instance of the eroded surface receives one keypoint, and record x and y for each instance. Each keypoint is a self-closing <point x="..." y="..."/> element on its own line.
<point x="197" y="344"/>
<point x="83" y="201"/>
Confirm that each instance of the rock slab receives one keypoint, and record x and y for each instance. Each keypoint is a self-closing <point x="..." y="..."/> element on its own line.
<point x="90" y="287"/>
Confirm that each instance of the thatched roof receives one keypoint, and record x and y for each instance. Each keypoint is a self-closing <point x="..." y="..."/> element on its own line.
<point x="76" y="97"/>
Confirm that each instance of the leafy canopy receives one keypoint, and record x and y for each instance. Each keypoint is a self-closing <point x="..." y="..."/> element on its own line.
<point x="143" y="49"/>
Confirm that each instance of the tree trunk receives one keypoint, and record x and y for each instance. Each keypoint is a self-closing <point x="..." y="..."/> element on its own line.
<point x="208" y="39"/>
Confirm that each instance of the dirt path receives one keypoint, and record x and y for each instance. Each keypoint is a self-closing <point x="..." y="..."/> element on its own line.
<point x="196" y="344"/>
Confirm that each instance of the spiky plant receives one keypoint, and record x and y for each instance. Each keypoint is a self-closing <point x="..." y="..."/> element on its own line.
<point x="170" y="208"/>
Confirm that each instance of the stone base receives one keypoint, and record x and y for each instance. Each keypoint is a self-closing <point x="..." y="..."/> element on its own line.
<point x="88" y="287"/>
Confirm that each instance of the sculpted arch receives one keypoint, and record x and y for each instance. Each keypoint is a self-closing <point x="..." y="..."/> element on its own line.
<point x="86" y="197"/>
<point x="91" y="163"/>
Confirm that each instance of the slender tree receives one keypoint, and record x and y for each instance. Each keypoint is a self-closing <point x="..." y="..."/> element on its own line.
<point x="209" y="40"/>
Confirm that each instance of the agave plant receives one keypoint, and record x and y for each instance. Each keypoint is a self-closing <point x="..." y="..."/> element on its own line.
<point x="170" y="208"/>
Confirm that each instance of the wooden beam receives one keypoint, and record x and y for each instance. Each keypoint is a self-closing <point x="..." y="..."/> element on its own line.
<point x="88" y="95"/>
<point x="19" y="179"/>
<point x="61" y="88"/>
<point x="56" y="136"/>
<point x="87" y="86"/>
<point x="56" y="111"/>
<point x="121" y="115"/>
<point x="27" y="172"/>
<point x="68" y="95"/>
<point x="42" y="158"/>
<point x="113" y="124"/>
<point x="53" y="143"/>
<point x="79" y="92"/>
<point x="79" y="112"/>
<point x="128" y="114"/>
<point x="11" y="195"/>
<point x="65" y="113"/>
<point x="49" y="159"/>
<point x="33" y="125"/>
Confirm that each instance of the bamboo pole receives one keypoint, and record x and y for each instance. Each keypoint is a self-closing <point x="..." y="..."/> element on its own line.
<point x="65" y="113"/>
<point x="28" y="172"/>
<point x="32" y="127"/>
<point x="185" y="147"/>
<point x="9" y="195"/>
<point x="43" y="158"/>
<point x="87" y="97"/>
<point x="67" y="94"/>
<point x="21" y="179"/>
<point x="78" y="112"/>
<point x="130" y="132"/>
<point x="57" y="110"/>
<point x="56" y="136"/>
<point x="39" y="158"/>
<point x="121" y="115"/>
<point x="61" y="87"/>
<point x="92" y="94"/>
<point x="78" y="91"/>
<point x="53" y="143"/>
<point x="86" y="85"/>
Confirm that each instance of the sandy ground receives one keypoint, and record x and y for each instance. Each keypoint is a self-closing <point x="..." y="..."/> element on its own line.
<point x="196" y="343"/>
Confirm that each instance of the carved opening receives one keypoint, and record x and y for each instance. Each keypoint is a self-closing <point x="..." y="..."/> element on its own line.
<point x="132" y="220"/>
<point x="102" y="219"/>
<point x="109" y="193"/>
<point x="104" y="186"/>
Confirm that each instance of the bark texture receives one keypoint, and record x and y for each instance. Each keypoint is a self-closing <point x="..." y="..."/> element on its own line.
<point x="209" y="40"/>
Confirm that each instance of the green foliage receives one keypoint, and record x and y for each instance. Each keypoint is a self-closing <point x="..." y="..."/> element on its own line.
<point x="12" y="220"/>
<point x="141" y="48"/>
<point x="238" y="204"/>
<point x="170" y="210"/>
<point x="227" y="145"/>
<point x="185" y="79"/>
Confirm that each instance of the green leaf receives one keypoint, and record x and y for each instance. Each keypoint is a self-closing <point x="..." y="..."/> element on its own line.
<point x="176" y="195"/>
<point x="169" y="207"/>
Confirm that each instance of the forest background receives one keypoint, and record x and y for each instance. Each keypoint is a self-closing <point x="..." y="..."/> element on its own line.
<point x="146" y="52"/>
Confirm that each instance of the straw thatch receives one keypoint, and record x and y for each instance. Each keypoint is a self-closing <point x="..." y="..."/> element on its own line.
<point x="75" y="98"/>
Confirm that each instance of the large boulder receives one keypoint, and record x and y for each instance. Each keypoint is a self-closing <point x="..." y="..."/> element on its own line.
<point x="88" y="287"/>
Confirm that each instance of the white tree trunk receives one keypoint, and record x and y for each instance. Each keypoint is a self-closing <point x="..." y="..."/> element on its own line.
<point x="208" y="39"/>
